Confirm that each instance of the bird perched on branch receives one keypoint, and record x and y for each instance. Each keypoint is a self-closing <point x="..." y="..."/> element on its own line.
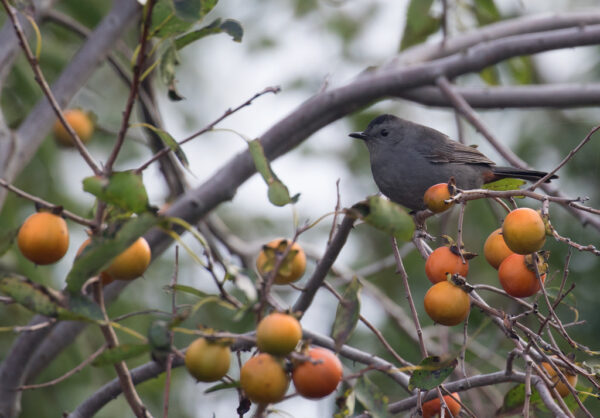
<point x="408" y="158"/>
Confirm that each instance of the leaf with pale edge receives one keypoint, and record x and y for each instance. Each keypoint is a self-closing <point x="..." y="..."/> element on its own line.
<point x="431" y="372"/>
<point x="169" y="142"/>
<point x="228" y="26"/>
<point x="278" y="192"/>
<point x="347" y="314"/>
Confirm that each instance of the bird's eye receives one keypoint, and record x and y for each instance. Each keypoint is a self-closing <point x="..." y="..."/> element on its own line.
<point x="384" y="132"/>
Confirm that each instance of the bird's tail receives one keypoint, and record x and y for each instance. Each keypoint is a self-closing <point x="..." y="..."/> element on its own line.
<point x="520" y="173"/>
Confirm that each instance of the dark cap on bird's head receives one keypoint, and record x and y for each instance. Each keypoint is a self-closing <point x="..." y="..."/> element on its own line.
<point x="380" y="121"/>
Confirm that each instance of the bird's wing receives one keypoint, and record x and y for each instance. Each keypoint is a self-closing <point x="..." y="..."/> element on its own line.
<point x="454" y="152"/>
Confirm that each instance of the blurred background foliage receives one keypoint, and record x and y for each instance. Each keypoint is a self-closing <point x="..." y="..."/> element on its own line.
<point x="302" y="45"/>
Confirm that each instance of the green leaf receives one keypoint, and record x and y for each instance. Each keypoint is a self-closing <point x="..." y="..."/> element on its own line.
<point x="165" y="22"/>
<point x="189" y="289"/>
<point x="523" y="70"/>
<point x="221" y="386"/>
<point x="278" y="192"/>
<point x="83" y="307"/>
<point x="386" y="216"/>
<point x="190" y="10"/>
<point x="229" y="26"/>
<point x="159" y="335"/>
<point x="490" y="76"/>
<point x="121" y="353"/>
<point x="169" y="142"/>
<point x="431" y="372"/>
<point x="486" y="12"/>
<point x="260" y="160"/>
<point x="419" y="24"/>
<point x="371" y="397"/>
<point x="123" y="189"/>
<point x="505" y="184"/>
<point x="33" y="296"/>
<point x="347" y="314"/>
<point x="45" y="301"/>
<point x="101" y="251"/>
<point x="7" y="238"/>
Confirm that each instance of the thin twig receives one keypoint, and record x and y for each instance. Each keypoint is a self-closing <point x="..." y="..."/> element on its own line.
<point x="565" y="160"/>
<point x="133" y="91"/>
<point x="123" y="374"/>
<point x="68" y="374"/>
<point x="42" y="202"/>
<point x="400" y="269"/>
<point x="209" y="127"/>
<point x="171" y="355"/>
<point x="373" y="328"/>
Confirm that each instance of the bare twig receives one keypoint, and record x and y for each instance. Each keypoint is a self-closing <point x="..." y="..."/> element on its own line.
<point x="42" y="202"/>
<point x="135" y="83"/>
<point x="373" y="329"/>
<point x="170" y="356"/>
<point x="565" y="160"/>
<point x="400" y="270"/>
<point x="210" y="126"/>
<point x="125" y="380"/>
<point x="68" y="374"/>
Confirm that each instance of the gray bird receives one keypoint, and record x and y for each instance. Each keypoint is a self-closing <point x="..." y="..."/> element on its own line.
<point x="408" y="158"/>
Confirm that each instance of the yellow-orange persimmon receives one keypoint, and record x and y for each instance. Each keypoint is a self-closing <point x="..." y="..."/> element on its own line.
<point x="207" y="361"/>
<point x="263" y="379"/>
<point x="291" y="269"/>
<point x="524" y="231"/>
<point x="278" y="333"/>
<point x="81" y="123"/>
<point x="132" y="262"/>
<point x="435" y="198"/>
<point x="561" y="387"/>
<point x="43" y="238"/>
<point x="443" y="261"/>
<point x="447" y="304"/>
<point x="495" y="249"/>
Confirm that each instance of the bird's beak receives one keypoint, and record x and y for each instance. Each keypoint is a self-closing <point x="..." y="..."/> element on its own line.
<point x="358" y="135"/>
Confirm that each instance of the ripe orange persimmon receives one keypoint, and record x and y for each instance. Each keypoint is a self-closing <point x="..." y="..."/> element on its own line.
<point x="516" y="278"/>
<point x="132" y="262"/>
<point x="433" y="407"/>
<point x="207" y="361"/>
<point x="263" y="379"/>
<point x="291" y="269"/>
<point x="561" y="387"/>
<point x="443" y="261"/>
<point x="524" y="231"/>
<point x="319" y="376"/>
<point x="495" y="249"/>
<point x="81" y="123"/>
<point x="278" y="334"/>
<point x="447" y="304"/>
<point x="43" y="238"/>
<point x="436" y="196"/>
